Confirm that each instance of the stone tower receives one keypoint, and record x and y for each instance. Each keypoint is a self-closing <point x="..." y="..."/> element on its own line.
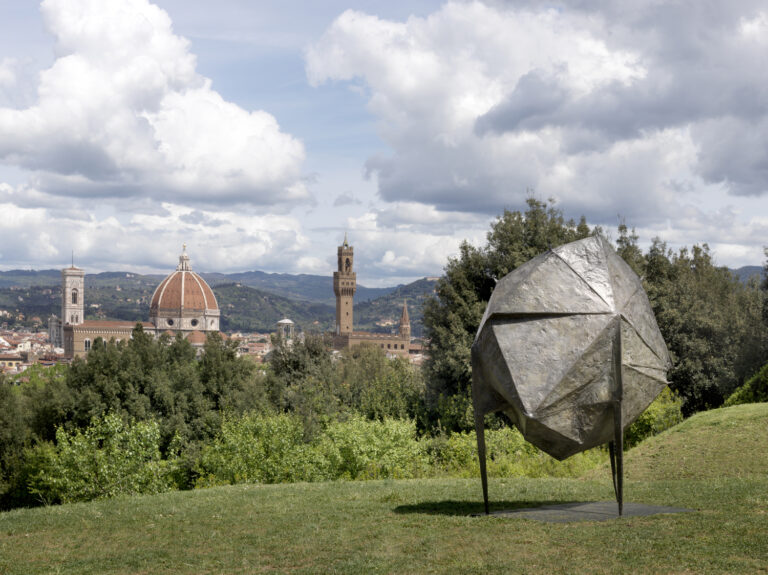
<point x="72" y="296"/>
<point x="405" y="324"/>
<point x="344" y="286"/>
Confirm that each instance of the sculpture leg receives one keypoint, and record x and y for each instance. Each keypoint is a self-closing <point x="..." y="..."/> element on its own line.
<point x="480" y="433"/>
<point x="618" y="449"/>
<point x="612" y="453"/>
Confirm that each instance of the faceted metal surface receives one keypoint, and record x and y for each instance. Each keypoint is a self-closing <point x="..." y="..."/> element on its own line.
<point x="566" y="340"/>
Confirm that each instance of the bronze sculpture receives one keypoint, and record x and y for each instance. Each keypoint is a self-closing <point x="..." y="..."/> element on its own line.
<point x="570" y="351"/>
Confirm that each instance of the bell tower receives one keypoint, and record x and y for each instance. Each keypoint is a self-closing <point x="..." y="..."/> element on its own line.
<point x="72" y="296"/>
<point x="405" y="324"/>
<point x="344" y="286"/>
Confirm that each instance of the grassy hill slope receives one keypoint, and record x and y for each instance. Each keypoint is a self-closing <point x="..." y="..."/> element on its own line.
<point x="423" y="526"/>
<point x="727" y="442"/>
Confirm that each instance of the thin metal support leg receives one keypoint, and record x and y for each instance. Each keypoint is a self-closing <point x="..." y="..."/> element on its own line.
<point x="480" y="433"/>
<point x="612" y="453"/>
<point x="619" y="453"/>
<point x="617" y="445"/>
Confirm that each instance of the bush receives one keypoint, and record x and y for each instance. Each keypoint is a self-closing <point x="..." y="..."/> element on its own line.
<point x="258" y="448"/>
<point x="107" y="459"/>
<point x="664" y="412"/>
<point x="755" y="390"/>
<point x="365" y="449"/>
<point x="507" y="455"/>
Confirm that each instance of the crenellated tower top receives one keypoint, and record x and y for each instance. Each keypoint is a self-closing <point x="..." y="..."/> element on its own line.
<point x="344" y="287"/>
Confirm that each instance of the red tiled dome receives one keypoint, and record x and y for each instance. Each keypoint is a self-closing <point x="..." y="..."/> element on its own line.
<point x="183" y="290"/>
<point x="184" y="301"/>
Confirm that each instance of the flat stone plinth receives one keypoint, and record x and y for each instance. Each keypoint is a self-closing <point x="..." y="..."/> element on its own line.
<point x="590" y="511"/>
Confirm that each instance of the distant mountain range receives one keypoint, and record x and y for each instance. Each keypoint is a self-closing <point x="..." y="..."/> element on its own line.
<point x="746" y="272"/>
<point x="250" y="301"/>
<point x="301" y="287"/>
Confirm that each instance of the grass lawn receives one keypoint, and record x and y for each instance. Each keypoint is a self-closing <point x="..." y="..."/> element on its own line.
<point x="423" y="526"/>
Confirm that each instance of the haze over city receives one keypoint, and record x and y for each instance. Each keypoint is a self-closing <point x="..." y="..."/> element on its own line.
<point x="259" y="133"/>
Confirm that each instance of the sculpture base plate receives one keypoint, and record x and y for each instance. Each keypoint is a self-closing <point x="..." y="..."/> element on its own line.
<point x="590" y="511"/>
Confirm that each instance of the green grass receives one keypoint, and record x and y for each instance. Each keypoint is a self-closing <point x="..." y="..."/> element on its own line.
<point x="728" y="442"/>
<point x="423" y="526"/>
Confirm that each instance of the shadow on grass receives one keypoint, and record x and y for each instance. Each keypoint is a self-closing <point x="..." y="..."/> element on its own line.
<point x="471" y="507"/>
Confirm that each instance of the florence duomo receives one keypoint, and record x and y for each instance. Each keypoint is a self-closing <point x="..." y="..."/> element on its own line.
<point x="182" y="303"/>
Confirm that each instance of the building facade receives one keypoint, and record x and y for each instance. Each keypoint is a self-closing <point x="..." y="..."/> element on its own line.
<point x="183" y="303"/>
<point x="344" y="287"/>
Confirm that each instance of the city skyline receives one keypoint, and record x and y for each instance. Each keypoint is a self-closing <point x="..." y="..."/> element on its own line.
<point x="260" y="134"/>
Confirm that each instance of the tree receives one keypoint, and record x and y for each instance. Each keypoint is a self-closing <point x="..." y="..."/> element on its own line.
<point x="301" y="381"/>
<point x="378" y="387"/>
<point x="710" y="321"/>
<point x="627" y="248"/>
<point x="452" y="317"/>
<point x="764" y="289"/>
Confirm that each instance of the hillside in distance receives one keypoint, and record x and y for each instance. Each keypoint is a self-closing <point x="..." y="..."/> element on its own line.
<point x="300" y="287"/>
<point x="247" y="309"/>
<point x="744" y="273"/>
<point x="126" y="296"/>
<point x="28" y="278"/>
<point x="383" y="313"/>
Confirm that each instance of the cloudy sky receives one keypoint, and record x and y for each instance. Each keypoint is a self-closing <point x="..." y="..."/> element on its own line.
<point x="260" y="132"/>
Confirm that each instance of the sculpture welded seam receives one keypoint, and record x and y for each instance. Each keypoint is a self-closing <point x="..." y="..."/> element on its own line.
<point x="569" y="350"/>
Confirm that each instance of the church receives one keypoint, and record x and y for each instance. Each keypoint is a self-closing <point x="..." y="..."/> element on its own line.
<point x="344" y="287"/>
<point x="182" y="303"/>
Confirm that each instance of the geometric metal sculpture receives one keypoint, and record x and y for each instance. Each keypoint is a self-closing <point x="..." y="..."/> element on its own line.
<point x="569" y="350"/>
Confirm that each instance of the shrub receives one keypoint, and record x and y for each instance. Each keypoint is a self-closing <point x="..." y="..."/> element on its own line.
<point x="507" y="455"/>
<point x="755" y="390"/>
<point x="363" y="449"/>
<point x="664" y="412"/>
<point x="108" y="458"/>
<point x="259" y="448"/>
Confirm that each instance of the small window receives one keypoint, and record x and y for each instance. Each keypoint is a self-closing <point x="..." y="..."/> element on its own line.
<point x="389" y="346"/>
<point x="74" y="296"/>
<point x="194" y="323"/>
<point x="402" y="346"/>
<point x="169" y="321"/>
<point x="87" y="343"/>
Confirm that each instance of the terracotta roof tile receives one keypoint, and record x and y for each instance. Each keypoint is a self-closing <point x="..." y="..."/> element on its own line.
<point x="183" y="289"/>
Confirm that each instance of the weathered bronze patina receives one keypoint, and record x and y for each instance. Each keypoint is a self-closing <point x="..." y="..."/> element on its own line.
<point x="570" y="351"/>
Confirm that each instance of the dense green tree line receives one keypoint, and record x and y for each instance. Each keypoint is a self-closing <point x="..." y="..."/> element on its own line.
<point x="141" y="379"/>
<point x="186" y="397"/>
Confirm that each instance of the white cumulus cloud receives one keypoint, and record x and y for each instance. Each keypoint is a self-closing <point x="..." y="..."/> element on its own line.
<point x="123" y="112"/>
<point x="633" y="109"/>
